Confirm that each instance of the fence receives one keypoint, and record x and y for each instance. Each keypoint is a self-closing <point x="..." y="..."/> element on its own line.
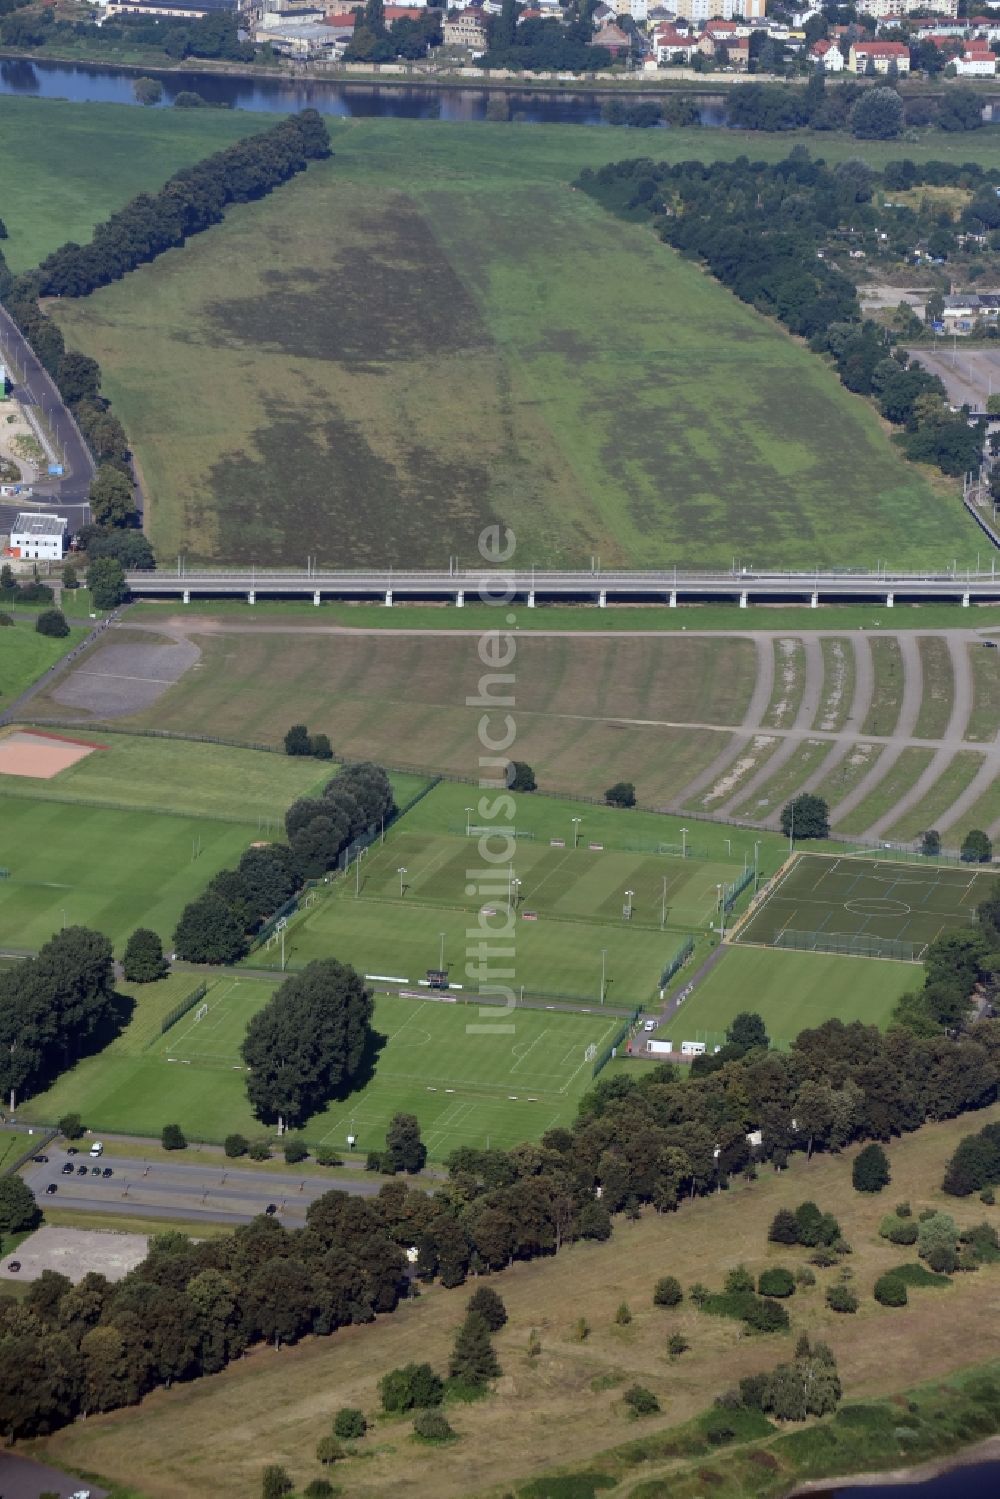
<point x="855" y="945"/>
<point x="677" y="962"/>
<point x="731" y="893"/>
<point x="180" y="1010"/>
<point x="604" y="1057"/>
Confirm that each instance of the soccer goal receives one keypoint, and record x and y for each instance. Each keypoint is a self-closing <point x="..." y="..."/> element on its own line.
<point x="590" y="1053"/>
<point x="201" y="1012"/>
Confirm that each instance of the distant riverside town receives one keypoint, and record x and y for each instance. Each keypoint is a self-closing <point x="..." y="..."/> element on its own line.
<point x="888" y="37"/>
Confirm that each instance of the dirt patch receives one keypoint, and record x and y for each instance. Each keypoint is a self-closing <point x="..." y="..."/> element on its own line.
<point x="122" y="679"/>
<point x="75" y="1252"/>
<point x="27" y="753"/>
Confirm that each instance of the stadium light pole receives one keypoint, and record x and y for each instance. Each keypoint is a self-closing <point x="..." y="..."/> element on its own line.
<point x="684" y="843"/>
<point x="663" y="905"/>
<point x="604" y="964"/>
<point x="468" y="821"/>
<point x="401" y="872"/>
<point x="357" y="871"/>
<point x="628" y="903"/>
<point x="441" y="952"/>
<point x="576" y="830"/>
<point x="756" y="864"/>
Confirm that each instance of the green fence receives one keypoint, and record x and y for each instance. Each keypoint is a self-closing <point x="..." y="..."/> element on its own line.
<point x="180" y="1010"/>
<point x="604" y="1057"/>
<point x="850" y="944"/>
<point x="677" y="962"/>
<point x="731" y="893"/>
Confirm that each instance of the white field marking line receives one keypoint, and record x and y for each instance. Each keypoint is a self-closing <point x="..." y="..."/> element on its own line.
<point x="421" y="1006"/>
<point x="474" y="1086"/>
<point x="525" y="1054"/>
<point x="207" y="1026"/>
<point x="574" y="1075"/>
<point x="533" y="892"/>
<point x="121" y="676"/>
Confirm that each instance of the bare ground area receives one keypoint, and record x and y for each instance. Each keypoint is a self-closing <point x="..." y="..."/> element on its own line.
<point x="76" y="1252"/>
<point x="122" y="679"/>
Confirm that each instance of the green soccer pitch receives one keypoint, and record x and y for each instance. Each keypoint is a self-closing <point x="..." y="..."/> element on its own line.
<point x="569" y="926"/>
<point x="866" y="906"/>
<point x="471" y="1078"/>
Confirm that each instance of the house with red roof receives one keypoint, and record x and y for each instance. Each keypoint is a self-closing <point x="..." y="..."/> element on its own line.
<point x="881" y="55"/>
<point x="977" y="61"/>
<point x="828" y="53"/>
<point x="671" y="45"/>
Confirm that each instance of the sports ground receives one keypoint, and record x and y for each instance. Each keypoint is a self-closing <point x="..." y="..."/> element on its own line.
<point x="471" y="1078"/>
<point x="869" y="907"/>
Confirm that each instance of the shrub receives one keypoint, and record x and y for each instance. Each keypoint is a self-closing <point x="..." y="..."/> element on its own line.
<point x="776" y="1282"/>
<point x="898" y="1230"/>
<point x="235" y="1146"/>
<point x="823" y="1257"/>
<point x="623" y="1315"/>
<point x="6" y="619"/>
<point x="489" y="1306"/>
<point x="349" y="1423"/>
<point x="581" y="1329"/>
<point x="677" y="1344"/>
<point x="988" y="1196"/>
<point x="943" y="1259"/>
<point x="275" y="1482"/>
<point x="431" y="1426"/>
<point x="890" y="1290"/>
<point x="841" y="1298"/>
<point x="739" y="1281"/>
<point x="804" y="1276"/>
<point x="640" y="1401"/>
<point x="259" y="1150"/>
<point x="938" y="1231"/>
<point x="903" y="1210"/>
<point x="414" y="1386"/>
<point x="764" y="1315"/>
<point x="316" y="1488"/>
<point x="667" y="1292"/>
<point x="329" y="1450"/>
<point x="172" y="1137"/>
<point x="621" y="794"/>
<point x="699" y="1294"/>
<point x="295" y="1151"/>
<point x="784" y="1228"/>
<point x="71" y="1126"/>
<point x="870" y="1172"/>
<point x="52" y="622"/>
<point x="327" y="1157"/>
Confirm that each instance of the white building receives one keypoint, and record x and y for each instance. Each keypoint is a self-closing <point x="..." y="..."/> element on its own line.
<point x="38" y="538"/>
<point x="726" y="10"/>
<point x="977" y="61"/>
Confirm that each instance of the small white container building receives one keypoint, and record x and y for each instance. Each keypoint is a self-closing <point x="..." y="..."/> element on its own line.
<point x="38" y="538"/>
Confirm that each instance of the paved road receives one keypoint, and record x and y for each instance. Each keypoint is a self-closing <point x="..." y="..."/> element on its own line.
<point x="23" y="1478"/>
<point x="37" y="391"/>
<point x="192" y="1193"/>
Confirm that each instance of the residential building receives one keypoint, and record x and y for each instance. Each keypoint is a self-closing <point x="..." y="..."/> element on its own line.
<point x="305" y="41"/>
<point x="171" y="10"/>
<point x="881" y="54"/>
<point x="738" y="54"/>
<point x="617" y="42"/>
<point x="827" y="53"/>
<point x="604" y="15"/>
<point x="671" y="45"/>
<point x="977" y="61"/>
<point x="467" y="28"/>
<point x="38" y="538"/>
<point x="962" y="312"/>
<point x="705" y="10"/>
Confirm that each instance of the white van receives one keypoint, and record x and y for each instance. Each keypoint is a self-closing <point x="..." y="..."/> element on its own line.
<point x="97" y="1148"/>
<point x="650" y="1025"/>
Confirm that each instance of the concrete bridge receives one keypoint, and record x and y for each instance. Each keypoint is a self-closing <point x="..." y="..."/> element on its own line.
<point x="531" y="586"/>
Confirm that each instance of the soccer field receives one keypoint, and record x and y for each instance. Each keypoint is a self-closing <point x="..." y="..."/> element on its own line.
<point x="792" y="992"/>
<point x="867" y="907"/>
<point x="73" y="865"/>
<point x="471" y="1079"/>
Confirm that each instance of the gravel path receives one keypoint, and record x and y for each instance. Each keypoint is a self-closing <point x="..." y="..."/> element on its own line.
<point x="756" y="708"/>
<point x="864" y="689"/>
<point x="902" y="737"/>
<point x="961" y="708"/>
<point x="812" y="694"/>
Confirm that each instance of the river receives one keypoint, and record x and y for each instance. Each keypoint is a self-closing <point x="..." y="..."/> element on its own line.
<point x="979" y="1481"/>
<point x="91" y="83"/>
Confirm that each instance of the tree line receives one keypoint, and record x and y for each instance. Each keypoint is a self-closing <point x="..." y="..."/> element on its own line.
<point x="957" y="965"/>
<point x="762" y="231"/>
<point x="217" y="926"/>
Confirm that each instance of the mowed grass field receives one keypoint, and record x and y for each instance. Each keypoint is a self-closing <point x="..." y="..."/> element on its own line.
<point x="792" y="992"/>
<point x="470" y="1078"/>
<point x="563" y="1406"/>
<point x="110" y="870"/>
<point x="589" y="711"/>
<point x="659" y="422"/>
<point x="25" y="655"/>
<point x="868" y="900"/>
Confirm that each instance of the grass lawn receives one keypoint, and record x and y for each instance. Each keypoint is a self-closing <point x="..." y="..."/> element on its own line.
<point x="668" y="423"/>
<point x="109" y="870"/>
<point x="25" y="655"/>
<point x="564" y="1404"/>
<point x="985" y="715"/>
<point x="938" y="687"/>
<point x="904" y="774"/>
<point x="887" y="697"/>
<point x="470" y="1079"/>
<point x="950" y="784"/>
<point x="792" y="992"/>
<point x="67" y="166"/>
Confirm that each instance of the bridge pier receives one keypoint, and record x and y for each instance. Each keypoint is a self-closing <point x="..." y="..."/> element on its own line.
<point x="814" y="601"/>
<point x="316" y="598"/>
<point x="965" y="601"/>
<point x="531" y="599"/>
<point x="672" y="601"/>
<point x="252" y="597"/>
<point x="388" y="598"/>
<point x="743" y="599"/>
<point x="187" y="595"/>
<point x="890" y="600"/>
<point x="602" y="599"/>
<point x="460" y="599"/>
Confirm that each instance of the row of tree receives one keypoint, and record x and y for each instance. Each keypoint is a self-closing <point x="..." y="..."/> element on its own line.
<point x="868" y="113"/>
<point x="216" y="927"/>
<point x="762" y="230"/>
<point x="957" y="965"/>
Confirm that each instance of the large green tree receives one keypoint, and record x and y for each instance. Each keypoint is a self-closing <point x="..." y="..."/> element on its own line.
<point x="308" y="1042"/>
<point x="209" y="931"/>
<point x="143" y="960"/>
<point x="112" y="502"/>
<point x="106" y="581"/>
<point x="805" y="816"/>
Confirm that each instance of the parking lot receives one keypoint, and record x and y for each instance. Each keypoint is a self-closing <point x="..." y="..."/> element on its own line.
<point x="74" y="1252"/>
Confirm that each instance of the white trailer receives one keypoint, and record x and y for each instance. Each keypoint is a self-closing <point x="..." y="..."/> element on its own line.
<point x="658" y="1048"/>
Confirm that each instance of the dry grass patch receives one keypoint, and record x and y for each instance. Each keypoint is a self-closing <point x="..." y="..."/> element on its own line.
<point x="887" y="697"/>
<point x="563" y="1406"/>
<point x="938" y="687"/>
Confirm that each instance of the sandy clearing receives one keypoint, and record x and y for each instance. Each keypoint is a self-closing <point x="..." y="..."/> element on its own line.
<point x="39" y="756"/>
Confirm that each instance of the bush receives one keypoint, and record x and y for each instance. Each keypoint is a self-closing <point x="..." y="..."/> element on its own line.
<point x="71" y="1126"/>
<point x="172" y="1137"/>
<point x="412" y="1387"/>
<point x="329" y="1450"/>
<point x="489" y="1306"/>
<point x="640" y="1401"/>
<point x="294" y="1151"/>
<point x="739" y="1282"/>
<point x="677" y="1344"/>
<point x="804" y="1276"/>
<point x="903" y="1210"/>
<point x="943" y="1259"/>
<point x="765" y="1315"/>
<point x="898" y="1230"/>
<point x="5" y="619"/>
<point x="870" y="1172"/>
<point x="259" y="1150"/>
<point x="667" y="1292"/>
<point x="988" y="1196"/>
<point x="349" y="1423"/>
<point x="431" y="1426"/>
<point x="623" y="1314"/>
<point x="52" y="622"/>
<point x="235" y="1146"/>
<point x="890" y="1290"/>
<point x="275" y="1482"/>
<point x="621" y="794"/>
<point x="841" y="1298"/>
<point x="823" y="1258"/>
<point x="776" y="1282"/>
<point x="316" y="1488"/>
<point x="784" y="1228"/>
<point x="327" y="1157"/>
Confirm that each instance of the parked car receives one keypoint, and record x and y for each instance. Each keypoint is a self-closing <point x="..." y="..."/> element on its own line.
<point x="40" y="1160"/>
<point x="67" y="1170"/>
<point x="97" y="1148"/>
<point x="95" y="1170"/>
<point x="81" y="1170"/>
<point x="72" y="1150"/>
<point x="271" y="1209"/>
<point x="80" y="1494"/>
<point x="107" y="1172"/>
<point x="990" y="645"/>
<point x="50" y="1189"/>
<point x="14" y="1266"/>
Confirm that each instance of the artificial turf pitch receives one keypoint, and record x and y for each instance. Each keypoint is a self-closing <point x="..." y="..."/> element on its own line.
<point x="866" y="904"/>
<point x="470" y="1078"/>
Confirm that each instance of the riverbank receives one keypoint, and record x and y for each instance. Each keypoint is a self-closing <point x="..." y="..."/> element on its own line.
<point x="986" y="1451"/>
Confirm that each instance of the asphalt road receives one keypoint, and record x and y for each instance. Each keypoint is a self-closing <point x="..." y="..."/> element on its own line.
<point x="180" y="1191"/>
<point x="23" y="1478"/>
<point x="38" y="390"/>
